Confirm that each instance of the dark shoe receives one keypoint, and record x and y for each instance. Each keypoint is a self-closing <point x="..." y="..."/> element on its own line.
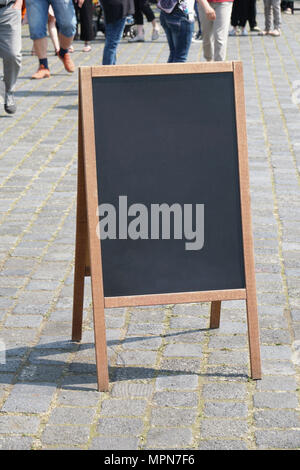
<point x="10" y="105"/>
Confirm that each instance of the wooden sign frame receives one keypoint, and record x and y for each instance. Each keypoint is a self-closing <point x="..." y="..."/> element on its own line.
<point x="88" y="248"/>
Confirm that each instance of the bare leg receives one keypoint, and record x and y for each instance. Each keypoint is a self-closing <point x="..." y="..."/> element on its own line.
<point x="65" y="42"/>
<point x="40" y="47"/>
<point x="53" y="32"/>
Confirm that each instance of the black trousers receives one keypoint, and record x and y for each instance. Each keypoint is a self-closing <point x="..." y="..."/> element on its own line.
<point x="285" y="5"/>
<point x="142" y="7"/>
<point x="85" y="17"/>
<point x="243" y="11"/>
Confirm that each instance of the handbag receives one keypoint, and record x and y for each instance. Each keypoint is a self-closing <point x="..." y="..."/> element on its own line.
<point x="167" y="5"/>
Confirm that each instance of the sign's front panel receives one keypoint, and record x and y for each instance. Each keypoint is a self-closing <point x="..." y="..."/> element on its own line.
<point x="168" y="183"/>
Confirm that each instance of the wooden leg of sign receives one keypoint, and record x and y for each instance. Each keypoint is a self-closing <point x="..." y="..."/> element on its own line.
<point x="253" y="336"/>
<point x="100" y="337"/>
<point x="252" y="316"/>
<point x="215" y="310"/>
<point x="78" y="286"/>
<point x="94" y="262"/>
<point x="81" y="243"/>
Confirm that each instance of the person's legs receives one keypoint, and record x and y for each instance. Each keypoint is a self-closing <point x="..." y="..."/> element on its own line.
<point x="244" y="12"/>
<point x="10" y="51"/>
<point x="199" y="32"/>
<point x="139" y="21"/>
<point x="66" y="22"/>
<point x="268" y="15"/>
<point x="220" y="29"/>
<point x="276" y="14"/>
<point x="252" y="15"/>
<point x="234" y="19"/>
<point x="147" y="10"/>
<point x="113" y="35"/>
<point x="164" y="24"/>
<point x="86" y="24"/>
<point x="182" y="40"/>
<point x="207" y="34"/>
<point x="37" y="15"/>
<point x="179" y="31"/>
<point x="53" y="31"/>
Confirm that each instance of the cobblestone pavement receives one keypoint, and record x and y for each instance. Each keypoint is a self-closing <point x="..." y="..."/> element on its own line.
<point x="173" y="382"/>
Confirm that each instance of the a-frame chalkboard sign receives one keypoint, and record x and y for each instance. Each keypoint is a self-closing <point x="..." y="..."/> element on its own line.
<point x="162" y="157"/>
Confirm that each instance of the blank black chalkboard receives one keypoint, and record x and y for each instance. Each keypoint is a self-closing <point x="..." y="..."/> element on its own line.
<point x="165" y="135"/>
<point x="170" y="139"/>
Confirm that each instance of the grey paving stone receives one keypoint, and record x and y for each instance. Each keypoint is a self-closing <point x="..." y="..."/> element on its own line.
<point x="29" y="321"/>
<point x="19" y="424"/>
<point x="131" y="390"/>
<point x="278" y="439"/>
<point x="41" y="373"/>
<point x="78" y="398"/>
<point x="173" y="417"/>
<point x="16" y="443"/>
<point x="134" y="357"/>
<point x="120" y="407"/>
<point x="184" y="322"/>
<point x="141" y="315"/>
<point x="177" y="382"/>
<point x="228" y="357"/>
<point x="191" y="309"/>
<point x="223" y="428"/>
<point x="274" y="353"/>
<point x="225" y="410"/>
<point x="29" y="398"/>
<point x="222" y="444"/>
<point x="181" y="365"/>
<point x="112" y="443"/>
<point x="275" y="383"/>
<point x="183" y="350"/>
<point x="278" y="368"/>
<point x="76" y="415"/>
<point x="276" y="419"/>
<point x="145" y="329"/>
<point x="169" y="438"/>
<point x="275" y="400"/>
<point x="120" y="426"/>
<point x="176" y="399"/>
<point x="147" y="343"/>
<point x="223" y="391"/>
<point x="68" y="435"/>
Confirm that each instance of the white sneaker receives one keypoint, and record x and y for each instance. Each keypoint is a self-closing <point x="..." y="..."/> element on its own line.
<point x="275" y="32"/>
<point x="244" y="32"/>
<point x="137" y="38"/>
<point x="155" y="34"/>
<point x="233" y="32"/>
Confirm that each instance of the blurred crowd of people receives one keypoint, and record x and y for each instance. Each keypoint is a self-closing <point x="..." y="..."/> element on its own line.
<point x="216" y="20"/>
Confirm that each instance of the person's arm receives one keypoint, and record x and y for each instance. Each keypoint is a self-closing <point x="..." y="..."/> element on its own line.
<point x="210" y="12"/>
<point x="18" y="5"/>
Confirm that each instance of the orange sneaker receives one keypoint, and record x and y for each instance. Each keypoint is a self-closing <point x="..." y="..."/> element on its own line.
<point x="68" y="63"/>
<point x="41" y="72"/>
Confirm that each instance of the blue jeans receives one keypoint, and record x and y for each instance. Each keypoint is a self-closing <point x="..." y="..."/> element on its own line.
<point x="179" y="31"/>
<point x="37" y="14"/>
<point x="113" y="35"/>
